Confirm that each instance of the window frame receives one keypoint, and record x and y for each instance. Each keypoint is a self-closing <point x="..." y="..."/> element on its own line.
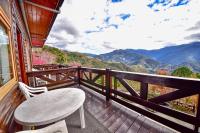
<point x="12" y="82"/>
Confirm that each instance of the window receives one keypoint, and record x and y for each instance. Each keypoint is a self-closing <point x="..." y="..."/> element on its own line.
<point x="8" y="77"/>
<point x="6" y="72"/>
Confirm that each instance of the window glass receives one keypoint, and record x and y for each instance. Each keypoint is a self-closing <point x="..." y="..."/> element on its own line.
<point x="6" y="72"/>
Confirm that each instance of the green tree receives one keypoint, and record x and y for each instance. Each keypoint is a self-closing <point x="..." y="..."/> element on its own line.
<point x="61" y="59"/>
<point x="182" y="72"/>
<point x="198" y="75"/>
<point x="60" y="55"/>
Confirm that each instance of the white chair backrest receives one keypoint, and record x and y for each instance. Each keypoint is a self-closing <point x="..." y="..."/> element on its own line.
<point x="24" y="90"/>
<point x="29" y="91"/>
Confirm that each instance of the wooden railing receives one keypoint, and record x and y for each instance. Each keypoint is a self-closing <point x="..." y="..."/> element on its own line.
<point x="53" y="78"/>
<point x="49" y="67"/>
<point x="110" y="83"/>
<point x="107" y="85"/>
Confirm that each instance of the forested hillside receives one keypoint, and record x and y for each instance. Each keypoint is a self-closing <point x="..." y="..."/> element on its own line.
<point x="78" y="59"/>
<point x="52" y="55"/>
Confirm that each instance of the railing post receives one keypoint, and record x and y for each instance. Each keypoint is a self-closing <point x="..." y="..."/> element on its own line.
<point x="34" y="82"/>
<point x="108" y="84"/>
<point x="196" y="128"/>
<point x="26" y="79"/>
<point x="102" y="82"/>
<point x="144" y="90"/>
<point x="57" y="76"/>
<point x="115" y="85"/>
<point x="79" y="75"/>
<point x="90" y="76"/>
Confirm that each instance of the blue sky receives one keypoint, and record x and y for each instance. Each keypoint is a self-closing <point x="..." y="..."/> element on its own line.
<point x="100" y="26"/>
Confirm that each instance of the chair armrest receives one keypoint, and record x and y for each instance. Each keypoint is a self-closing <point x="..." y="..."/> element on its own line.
<point x="38" y="89"/>
<point x="44" y="88"/>
<point x="35" y="91"/>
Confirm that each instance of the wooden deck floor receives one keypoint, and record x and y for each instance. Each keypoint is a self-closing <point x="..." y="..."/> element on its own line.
<point x="119" y="119"/>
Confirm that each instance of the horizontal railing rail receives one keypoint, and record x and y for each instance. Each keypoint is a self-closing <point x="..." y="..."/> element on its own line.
<point x="118" y="86"/>
<point x="49" y="66"/>
<point x="54" y="77"/>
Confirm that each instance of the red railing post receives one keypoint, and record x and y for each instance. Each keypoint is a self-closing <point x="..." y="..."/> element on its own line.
<point x="108" y="84"/>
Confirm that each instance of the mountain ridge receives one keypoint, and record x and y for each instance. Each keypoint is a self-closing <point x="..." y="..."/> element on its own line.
<point x="171" y="56"/>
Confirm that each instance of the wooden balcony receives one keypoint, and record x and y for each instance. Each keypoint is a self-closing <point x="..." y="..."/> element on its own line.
<point x="111" y="117"/>
<point x="113" y="101"/>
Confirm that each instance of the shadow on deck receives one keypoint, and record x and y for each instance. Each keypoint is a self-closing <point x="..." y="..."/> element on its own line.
<point x="103" y="117"/>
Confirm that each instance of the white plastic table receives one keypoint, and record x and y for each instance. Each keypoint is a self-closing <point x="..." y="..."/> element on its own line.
<point x="50" y="107"/>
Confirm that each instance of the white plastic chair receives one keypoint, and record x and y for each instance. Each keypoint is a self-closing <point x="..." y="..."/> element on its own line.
<point x="30" y="91"/>
<point x="59" y="127"/>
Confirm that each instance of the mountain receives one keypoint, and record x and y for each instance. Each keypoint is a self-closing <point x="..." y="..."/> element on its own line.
<point x="169" y="57"/>
<point x="74" y="58"/>
<point x="129" y="57"/>
<point x="58" y="56"/>
<point x="174" y="55"/>
<point x="90" y="55"/>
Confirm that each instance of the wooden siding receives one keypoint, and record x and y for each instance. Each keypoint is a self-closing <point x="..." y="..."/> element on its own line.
<point x="14" y="97"/>
<point x="7" y="106"/>
<point x="17" y="22"/>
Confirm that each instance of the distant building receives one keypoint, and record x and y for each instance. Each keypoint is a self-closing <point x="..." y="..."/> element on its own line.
<point x="162" y="72"/>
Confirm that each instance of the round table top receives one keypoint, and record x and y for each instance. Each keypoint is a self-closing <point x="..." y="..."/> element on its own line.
<point x="49" y="107"/>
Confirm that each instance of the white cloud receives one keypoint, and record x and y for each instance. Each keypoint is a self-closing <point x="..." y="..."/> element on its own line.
<point x="144" y="29"/>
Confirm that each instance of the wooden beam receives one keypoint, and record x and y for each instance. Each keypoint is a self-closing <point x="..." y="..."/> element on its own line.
<point x="93" y="84"/>
<point x="144" y="90"/>
<point x="58" y="83"/>
<point x="196" y="127"/>
<point x="90" y="76"/>
<point x="94" y="89"/>
<point x="86" y="76"/>
<point x="96" y="77"/>
<point x="115" y="85"/>
<point x="52" y="71"/>
<point x="45" y="78"/>
<point x="168" y="81"/>
<point x="108" y="84"/>
<point x="79" y="75"/>
<point x="94" y="70"/>
<point x="173" y="95"/>
<point x="128" y="87"/>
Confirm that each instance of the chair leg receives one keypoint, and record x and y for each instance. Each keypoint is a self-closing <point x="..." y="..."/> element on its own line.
<point x="82" y="117"/>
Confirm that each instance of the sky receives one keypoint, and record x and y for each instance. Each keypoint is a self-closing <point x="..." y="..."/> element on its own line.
<point x="101" y="26"/>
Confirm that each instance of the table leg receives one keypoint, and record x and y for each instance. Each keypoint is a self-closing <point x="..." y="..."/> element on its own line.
<point x="82" y="117"/>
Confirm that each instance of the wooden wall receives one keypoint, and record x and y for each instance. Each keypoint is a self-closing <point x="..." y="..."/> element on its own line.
<point x="14" y="97"/>
<point x="17" y="22"/>
<point x="7" y="106"/>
